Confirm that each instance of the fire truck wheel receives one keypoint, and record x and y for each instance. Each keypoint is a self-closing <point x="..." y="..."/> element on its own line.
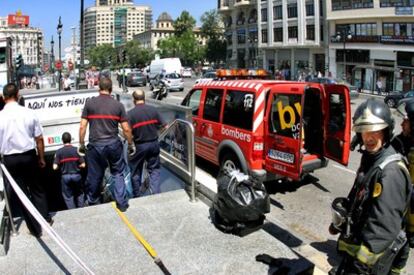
<point x="230" y="162"/>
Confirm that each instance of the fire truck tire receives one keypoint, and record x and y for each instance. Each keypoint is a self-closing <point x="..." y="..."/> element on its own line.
<point x="230" y="162"/>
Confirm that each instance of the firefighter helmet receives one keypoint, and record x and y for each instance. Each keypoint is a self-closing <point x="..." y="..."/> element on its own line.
<point x="373" y="115"/>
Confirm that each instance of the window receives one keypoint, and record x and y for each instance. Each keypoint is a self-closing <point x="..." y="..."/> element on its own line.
<point x="292" y="10"/>
<point x="264" y="15"/>
<point x="278" y="34"/>
<point x="352" y="4"/>
<point x="241" y="36"/>
<point x="310" y="9"/>
<point x="396" y="3"/>
<point x="310" y="32"/>
<point x="238" y="109"/>
<point x="277" y="12"/>
<point x="264" y="35"/>
<point x="401" y="29"/>
<point x="321" y="32"/>
<point x="293" y="32"/>
<point x="285" y="115"/>
<point x="212" y="104"/>
<point x="193" y="101"/>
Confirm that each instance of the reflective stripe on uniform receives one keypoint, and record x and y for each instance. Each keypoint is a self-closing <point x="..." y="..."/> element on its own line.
<point x="143" y="123"/>
<point x="350" y="249"/>
<point x="367" y="257"/>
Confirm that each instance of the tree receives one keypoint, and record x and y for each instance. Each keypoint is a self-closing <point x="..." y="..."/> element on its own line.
<point x="102" y="56"/>
<point x="184" y="23"/>
<point x="211" y="24"/>
<point x="136" y="55"/>
<point x="211" y="28"/>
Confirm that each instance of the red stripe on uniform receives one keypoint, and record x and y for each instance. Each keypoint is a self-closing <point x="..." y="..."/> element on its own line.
<point x="103" y="117"/>
<point x="143" y="123"/>
<point x="68" y="159"/>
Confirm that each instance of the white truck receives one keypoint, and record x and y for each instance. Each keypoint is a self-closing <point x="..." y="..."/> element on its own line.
<point x="164" y="65"/>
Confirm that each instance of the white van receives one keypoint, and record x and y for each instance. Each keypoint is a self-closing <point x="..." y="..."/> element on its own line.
<point x="164" y="65"/>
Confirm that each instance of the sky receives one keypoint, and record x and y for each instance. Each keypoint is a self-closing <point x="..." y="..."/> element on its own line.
<point x="44" y="14"/>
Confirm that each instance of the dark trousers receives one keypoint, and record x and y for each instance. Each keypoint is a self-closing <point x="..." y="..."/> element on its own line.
<point x="72" y="190"/>
<point x="149" y="152"/>
<point x="98" y="157"/>
<point x="24" y="170"/>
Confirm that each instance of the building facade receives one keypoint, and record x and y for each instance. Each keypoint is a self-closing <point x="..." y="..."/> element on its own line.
<point x="372" y="41"/>
<point x="163" y="29"/>
<point x="278" y="35"/>
<point x="26" y="40"/>
<point x="114" y="22"/>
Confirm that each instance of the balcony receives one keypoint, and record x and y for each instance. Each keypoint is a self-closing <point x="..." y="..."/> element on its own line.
<point x="239" y="3"/>
<point x="358" y="39"/>
<point x="397" y="39"/>
<point x="226" y="5"/>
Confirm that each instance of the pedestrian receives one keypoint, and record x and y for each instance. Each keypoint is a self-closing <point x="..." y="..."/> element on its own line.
<point x="404" y="144"/>
<point x="145" y="121"/>
<point x="70" y="162"/>
<point x="379" y="86"/>
<point x="66" y="83"/>
<point x="103" y="114"/>
<point x="22" y="152"/>
<point x="370" y="220"/>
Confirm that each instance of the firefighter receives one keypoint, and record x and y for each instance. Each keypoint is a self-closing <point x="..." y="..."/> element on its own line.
<point x="404" y="144"/>
<point x="370" y="219"/>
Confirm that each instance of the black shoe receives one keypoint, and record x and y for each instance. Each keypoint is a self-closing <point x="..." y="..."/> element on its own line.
<point x="123" y="209"/>
<point x="50" y="221"/>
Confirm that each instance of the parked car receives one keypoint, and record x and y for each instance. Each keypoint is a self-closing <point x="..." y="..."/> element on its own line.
<point x="394" y="99"/>
<point x="172" y="81"/>
<point x="353" y="90"/>
<point x="136" y="79"/>
<point x="187" y="72"/>
<point x="206" y="77"/>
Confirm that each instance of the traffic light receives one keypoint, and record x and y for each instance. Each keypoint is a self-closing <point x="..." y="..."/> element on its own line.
<point x="123" y="55"/>
<point x="19" y="62"/>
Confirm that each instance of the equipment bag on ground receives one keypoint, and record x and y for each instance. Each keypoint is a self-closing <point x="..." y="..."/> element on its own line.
<point x="240" y="203"/>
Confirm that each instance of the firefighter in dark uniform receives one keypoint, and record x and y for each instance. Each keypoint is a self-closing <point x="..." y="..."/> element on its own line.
<point x="404" y="144"/>
<point x="371" y="218"/>
<point x="69" y="161"/>
<point x="145" y="121"/>
<point x="103" y="113"/>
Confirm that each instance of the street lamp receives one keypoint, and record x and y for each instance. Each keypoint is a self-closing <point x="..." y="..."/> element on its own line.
<point x="59" y="32"/>
<point x="52" y="60"/>
<point x="344" y="36"/>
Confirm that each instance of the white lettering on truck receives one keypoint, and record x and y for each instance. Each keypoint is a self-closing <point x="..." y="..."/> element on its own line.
<point x="234" y="133"/>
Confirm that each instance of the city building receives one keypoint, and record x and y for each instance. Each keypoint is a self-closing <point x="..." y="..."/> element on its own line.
<point x="26" y="40"/>
<point x="278" y="35"/>
<point x="376" y="37"/>
<point x="163" y="29"/>
<point x="115" y="22"/>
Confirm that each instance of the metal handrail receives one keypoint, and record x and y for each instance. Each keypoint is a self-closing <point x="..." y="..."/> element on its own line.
<point x="190" y="169"/>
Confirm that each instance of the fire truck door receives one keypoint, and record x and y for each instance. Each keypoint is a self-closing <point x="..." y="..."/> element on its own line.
<point x="337" y="123"/>
<point x="283" y="134"/>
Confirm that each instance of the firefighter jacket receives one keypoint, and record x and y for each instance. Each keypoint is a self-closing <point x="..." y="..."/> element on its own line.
<point x="377" y="206"/>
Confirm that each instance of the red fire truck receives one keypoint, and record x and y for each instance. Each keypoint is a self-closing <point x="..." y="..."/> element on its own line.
<point x="271" y="128"/>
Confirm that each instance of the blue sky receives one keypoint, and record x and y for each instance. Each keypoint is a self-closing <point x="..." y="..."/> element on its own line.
<point x="45" y="14"/>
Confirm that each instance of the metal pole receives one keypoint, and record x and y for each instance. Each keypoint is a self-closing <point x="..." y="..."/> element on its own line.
<point x="60" y="61"/>
<point x="13" y="226"/>
<point x="344" y="36"/>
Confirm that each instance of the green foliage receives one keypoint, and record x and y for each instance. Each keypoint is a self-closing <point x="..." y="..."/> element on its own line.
<point x="184" y="23"/>
<point x="212" y="28"/>
<point x="211" y="24"/>
<point x="137" y="56"/>
<point x="102" y="56"/>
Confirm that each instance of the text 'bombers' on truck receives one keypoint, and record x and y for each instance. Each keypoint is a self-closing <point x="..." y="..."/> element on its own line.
<point x="271" y="129"/>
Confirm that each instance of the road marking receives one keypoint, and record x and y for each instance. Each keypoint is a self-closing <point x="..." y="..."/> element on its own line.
<point x="344" y="169"/>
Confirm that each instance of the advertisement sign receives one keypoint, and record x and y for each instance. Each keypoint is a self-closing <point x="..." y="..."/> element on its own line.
<point x="18" y="19"/>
